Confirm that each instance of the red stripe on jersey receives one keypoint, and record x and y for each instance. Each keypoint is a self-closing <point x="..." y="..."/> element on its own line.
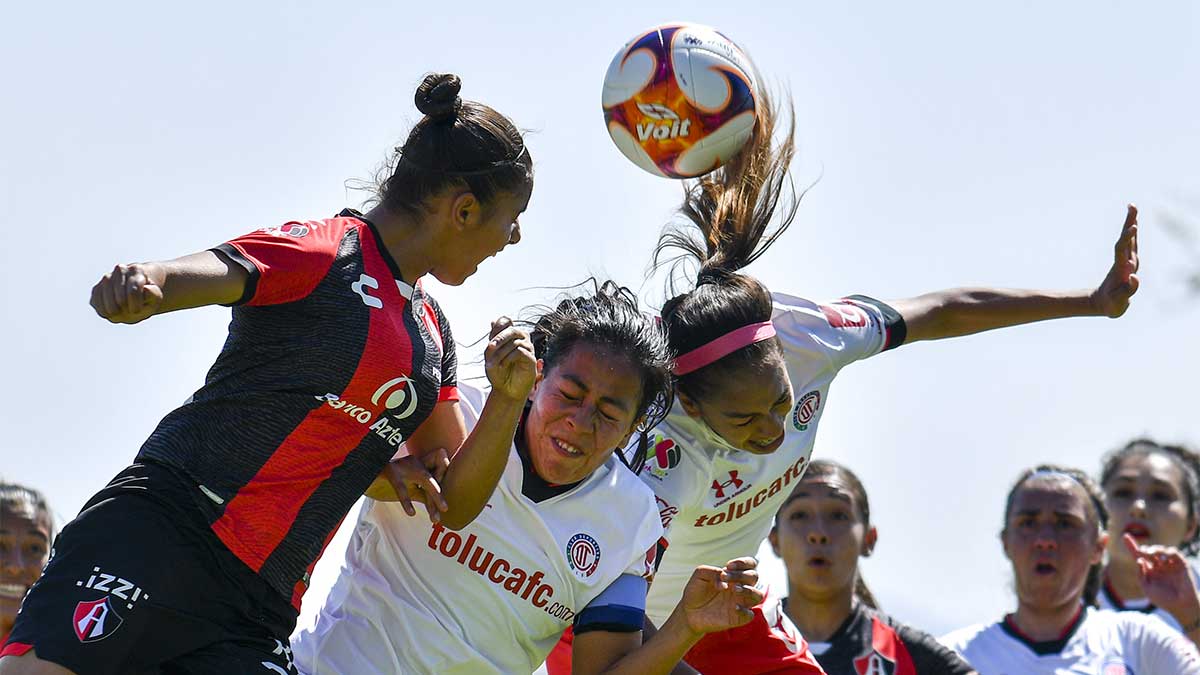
<point x="886" y="643"/>
<point x="293" y="258"/>
<point x="15" y="649"/>
<point x="259" y="516"/>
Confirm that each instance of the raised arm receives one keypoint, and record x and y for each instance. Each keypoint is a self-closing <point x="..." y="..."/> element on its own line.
<point x="963" y="311"/>
<point x="137" y="291"/>
<point x="714" y="599"/>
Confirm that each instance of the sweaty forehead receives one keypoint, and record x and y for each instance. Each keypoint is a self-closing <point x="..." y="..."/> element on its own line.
<point x="1153" y="465"/>
<point x="1052" y="494"/>
<point x="23" y="517"/>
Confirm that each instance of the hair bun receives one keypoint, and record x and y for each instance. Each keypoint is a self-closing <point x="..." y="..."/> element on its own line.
<point x="437" y="97"/>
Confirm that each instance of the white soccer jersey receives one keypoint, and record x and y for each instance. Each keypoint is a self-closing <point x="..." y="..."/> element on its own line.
<point x="717" y="502"/>
<point x="1102" y="643"/>
<point x="1109" y="600"/>
<point x="494" y="597"/>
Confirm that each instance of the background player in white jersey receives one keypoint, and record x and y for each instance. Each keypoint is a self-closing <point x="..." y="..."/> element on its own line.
<point x="820" y="533"/>
<point x="1151" y="492"/>
<point x="1054" y="536"/>
<point x="567" y="537"/>
<point x="754" y="370"/>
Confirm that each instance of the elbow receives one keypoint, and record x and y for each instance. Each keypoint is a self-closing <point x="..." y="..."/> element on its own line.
<point x="457" y="521"/>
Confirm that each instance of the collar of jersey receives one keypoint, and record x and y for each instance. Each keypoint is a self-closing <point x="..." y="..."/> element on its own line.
<point x="1144" y="606"/>
<point x="406" y="289"/>
<point x="1047" y="646"/>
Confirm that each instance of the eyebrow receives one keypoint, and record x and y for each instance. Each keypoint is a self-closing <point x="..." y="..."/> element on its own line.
<point x="578" y="382"/>
<point x="835" y="494"/>
<point x="1038" y="512"/>
<point x="779" y="400"/>
<point x="1133" y="479"/>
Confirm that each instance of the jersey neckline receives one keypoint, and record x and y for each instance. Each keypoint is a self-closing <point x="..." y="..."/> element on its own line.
<point x="1044" y="647"/>
<point x="383" y="252"/>
<point x="533" y="486"/>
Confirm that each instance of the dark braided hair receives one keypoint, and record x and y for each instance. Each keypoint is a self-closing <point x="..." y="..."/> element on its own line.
<point x="609" y="317"/>
<point x="1189" y="466"/>
<point x="457" y="143"/>
<point x="1099" y="512"/>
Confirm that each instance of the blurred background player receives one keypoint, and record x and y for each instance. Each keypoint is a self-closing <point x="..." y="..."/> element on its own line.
<point x="563" y="541"/>
<point x="1152" y="494"/>
<point x="753" y="374"/>
<point x="1054" y="536"/>
<point x="194" y="558"/>
<point x="26" y="533"/>
<point x="820" y="533"/>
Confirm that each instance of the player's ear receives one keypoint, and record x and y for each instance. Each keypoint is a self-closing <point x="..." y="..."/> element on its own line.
<point x="465" y="210"/>
<point x="632" y="430"/>
<point x="537" y="381"/>
<point x="689" y="404"/>
<point x="1101" y="546"/>
<point x="773" y="537"/>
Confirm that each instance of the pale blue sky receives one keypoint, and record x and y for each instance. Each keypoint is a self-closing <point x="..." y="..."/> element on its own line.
<point x="956" y="145"/>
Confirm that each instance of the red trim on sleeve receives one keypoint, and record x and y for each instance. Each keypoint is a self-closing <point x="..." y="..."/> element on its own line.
<point x="448" y="394"/>
<point x="291" y="259"/>
<point x="16" y="649"/>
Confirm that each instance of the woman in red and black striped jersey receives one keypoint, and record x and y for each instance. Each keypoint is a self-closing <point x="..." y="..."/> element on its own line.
<point x="821" y="532"/>
<point x="194" y="558"/>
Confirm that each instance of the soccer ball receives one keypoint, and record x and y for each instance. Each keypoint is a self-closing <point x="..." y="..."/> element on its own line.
<point x="679" y="100"/>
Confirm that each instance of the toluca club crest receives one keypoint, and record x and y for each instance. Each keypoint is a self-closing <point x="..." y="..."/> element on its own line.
<point x="583" y="555"/>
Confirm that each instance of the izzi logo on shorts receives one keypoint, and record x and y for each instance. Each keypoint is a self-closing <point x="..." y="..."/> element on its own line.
<point x="97" y="619"/>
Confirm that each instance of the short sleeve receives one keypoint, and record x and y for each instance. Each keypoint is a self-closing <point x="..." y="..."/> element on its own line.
<point x="1162" y="649"/>
<point x="844" y="331"/>
<point x="929" y="656"/>
<point x="620" y="608"/>
<point x="285" y="263"/>
<point x="449" y="386"/>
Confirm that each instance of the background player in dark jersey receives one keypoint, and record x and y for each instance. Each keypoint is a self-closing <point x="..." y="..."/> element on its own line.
<point x="26" y="530"/>
<point x="194" y="559"/>
<point x="820" y="533"/>
<point x="1152" y="492"/>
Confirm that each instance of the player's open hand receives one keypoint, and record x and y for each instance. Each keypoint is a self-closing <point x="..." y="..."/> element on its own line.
<point x="127" y="294"/>
<point x="1166" y="579"/>
<point x="418" y="480"/>
<point x="1111" y="298"/>
<point x="509" y="360"/>
<point x="717" y="598"/>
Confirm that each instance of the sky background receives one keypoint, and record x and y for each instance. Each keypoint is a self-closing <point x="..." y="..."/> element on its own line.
<point x="955" y="144"/>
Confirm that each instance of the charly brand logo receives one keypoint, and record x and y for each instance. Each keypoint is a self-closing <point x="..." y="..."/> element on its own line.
<point x="806" y="407"/>
<point x="583" y="555"/>
<point x="663" y="123"/>
<point x="397" y="396"/>
<point x="367" y="281"/>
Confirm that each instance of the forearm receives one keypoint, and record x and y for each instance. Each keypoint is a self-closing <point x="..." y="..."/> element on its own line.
<point x="963" y="311"/>
<point x="662" y="652"/>
<point x="475" y="469"/>
<point x="204" y="278"/>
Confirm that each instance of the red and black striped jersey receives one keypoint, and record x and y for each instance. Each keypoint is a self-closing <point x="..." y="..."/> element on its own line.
<point x="332" y="360"/>
<point x="872" y="643"/>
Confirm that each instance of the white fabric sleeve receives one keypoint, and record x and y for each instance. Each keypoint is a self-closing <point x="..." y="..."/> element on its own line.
<point x="844" y="330"/>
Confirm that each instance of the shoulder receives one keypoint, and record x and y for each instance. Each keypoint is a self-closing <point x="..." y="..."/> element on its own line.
<point x="962" y="639"/>
<point x="927" y="653"/>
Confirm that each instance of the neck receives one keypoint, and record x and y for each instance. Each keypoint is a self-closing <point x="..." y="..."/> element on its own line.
<point x="1122" y="575"/>
<point x="819" y="618"/>
<point x="410" y="242"/>
<point x="1042" y="624"/>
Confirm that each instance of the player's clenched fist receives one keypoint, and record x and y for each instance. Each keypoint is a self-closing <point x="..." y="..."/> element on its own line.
<point x="129" y="293"/>
<point x="509" y="360"/>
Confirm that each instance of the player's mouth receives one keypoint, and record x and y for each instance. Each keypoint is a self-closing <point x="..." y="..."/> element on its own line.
<point x="1043" y="569"/>
<point x="1138" y="531"/>
<point x="819" y="562"/>
<point x="767" y="446"/>
<point x="566" y="448"/>
<point x="13" y="591"/>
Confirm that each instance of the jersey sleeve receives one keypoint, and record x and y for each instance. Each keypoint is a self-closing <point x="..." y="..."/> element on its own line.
<point x="285" y="263"/>
<point x="449" y="388"/>
<point x="845" y="330"/>
<point x="1162" y="649"/>
<point x="929" y="656"/>
<point x="620" y="608"/>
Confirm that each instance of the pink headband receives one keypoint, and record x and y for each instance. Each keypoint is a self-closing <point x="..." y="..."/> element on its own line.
<point x="723" y="346"/>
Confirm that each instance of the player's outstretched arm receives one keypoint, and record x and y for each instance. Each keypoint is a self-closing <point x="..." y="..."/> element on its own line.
<point x="1167" y="582"/>
<point x="137" y="291"/>
<point x="714" y="599"/>
<point x="963" y="311"/>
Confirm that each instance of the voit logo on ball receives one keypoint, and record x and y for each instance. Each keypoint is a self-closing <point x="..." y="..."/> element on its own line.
<point x="583" y="555"/>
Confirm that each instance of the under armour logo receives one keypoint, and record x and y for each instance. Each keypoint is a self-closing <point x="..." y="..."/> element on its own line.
<point x="733" y="480"/>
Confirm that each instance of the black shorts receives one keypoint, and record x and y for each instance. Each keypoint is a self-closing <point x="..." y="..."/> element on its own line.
<point x="138" y="583"/>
